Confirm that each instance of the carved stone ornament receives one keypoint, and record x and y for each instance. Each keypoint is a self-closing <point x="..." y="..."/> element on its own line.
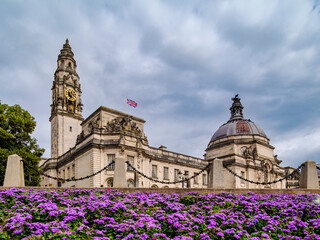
<point x="138" y="163"/>
<point x="79" y="106"/>
<point x="80" y="137"/>
<point x="139" y="154"/>
<point x="66" y="77"/>
<point x="277" y="160"/>
<point x="70" y="107"/>
<point x="248" y="152"/>
<point x="123" y="125"/>
<point x="59" y="100"/>
<point x="122" y="150"/>
<point x="96" y="122"/>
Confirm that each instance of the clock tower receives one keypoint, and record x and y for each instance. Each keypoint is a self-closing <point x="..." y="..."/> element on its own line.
<point x="66" y="107"/>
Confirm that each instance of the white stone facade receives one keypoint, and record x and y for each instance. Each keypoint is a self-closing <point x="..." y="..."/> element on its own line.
<point x="109" y="135"/>
<point x="81" y="147"/>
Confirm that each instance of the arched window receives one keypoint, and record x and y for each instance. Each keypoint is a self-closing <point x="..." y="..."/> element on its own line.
<point x="266" y="169"/>
<point x="154" y="186"/>
<point x="165" y="186"/>
<point x="109" y="182"/>
<point x="130" y="183"/>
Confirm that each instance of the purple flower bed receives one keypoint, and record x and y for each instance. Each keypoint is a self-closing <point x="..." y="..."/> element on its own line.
<point x="103" y="214"/>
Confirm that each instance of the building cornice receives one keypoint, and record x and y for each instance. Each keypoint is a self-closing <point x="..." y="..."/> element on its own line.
<point x="65" y="113"/>
<point x="238" y="142"/>
<point x="115" y="144"/>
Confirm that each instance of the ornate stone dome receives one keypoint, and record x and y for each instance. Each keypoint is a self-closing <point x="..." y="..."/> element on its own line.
<point x="237" y="125"/>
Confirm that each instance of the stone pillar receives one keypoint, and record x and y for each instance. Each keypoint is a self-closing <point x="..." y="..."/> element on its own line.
<point x="120" y="173"/>
<point x="309" y="176"/>
<point x="14" y="176"/>
<point x="216" y="174"/>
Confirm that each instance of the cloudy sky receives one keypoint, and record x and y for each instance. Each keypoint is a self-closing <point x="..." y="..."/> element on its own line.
<point x="181" y="61"/>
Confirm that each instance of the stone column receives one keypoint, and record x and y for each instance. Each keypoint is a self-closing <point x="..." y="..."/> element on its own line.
<point x="309" y="176"/>
<point x="14" y="176"/>
<point x="120" y="173"/>
<point x="216" y="174"/>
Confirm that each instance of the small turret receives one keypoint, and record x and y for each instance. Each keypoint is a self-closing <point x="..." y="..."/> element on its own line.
<point x="236" y="108"/>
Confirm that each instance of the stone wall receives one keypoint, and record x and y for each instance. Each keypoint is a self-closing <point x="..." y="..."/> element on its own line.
<point x="200" y="190"/>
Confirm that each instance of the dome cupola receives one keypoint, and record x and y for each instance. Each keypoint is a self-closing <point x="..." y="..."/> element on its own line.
<point x="237" y="125"/>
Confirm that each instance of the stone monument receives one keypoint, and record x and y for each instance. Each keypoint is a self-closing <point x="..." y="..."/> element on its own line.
<point x="309" y="176"/>
<point x="120" y="179"/>
<point x="14" y="176"/>
<point x="216" y="174"/>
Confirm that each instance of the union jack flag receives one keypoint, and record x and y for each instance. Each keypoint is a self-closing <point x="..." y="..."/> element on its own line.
<point x="132" y="103"/>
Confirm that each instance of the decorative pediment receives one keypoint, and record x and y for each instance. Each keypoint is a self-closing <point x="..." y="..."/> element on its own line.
<point x="120" y="125"/>
<point x="123" y="125"/>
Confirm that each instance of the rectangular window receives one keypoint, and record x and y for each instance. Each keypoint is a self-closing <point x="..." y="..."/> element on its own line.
<point x="196" y="179"/>
<point x="64" y="174"/>
<point x="242" y="175"/>
<point x="154" y="171"/>
<point x="68" y="172"/>
<point x="73" y="174"/>
<point x="186" y="175"/>
<point x="131" y="161"/>
<point x="204" y="179"/>
<point x="110" y="158"/>
<point x="165" y="173"/>
<point x="176" y="174"/>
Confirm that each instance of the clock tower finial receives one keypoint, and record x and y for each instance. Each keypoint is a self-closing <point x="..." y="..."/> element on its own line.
<point x="66" y="89"/>
<point x="66" y="107"/>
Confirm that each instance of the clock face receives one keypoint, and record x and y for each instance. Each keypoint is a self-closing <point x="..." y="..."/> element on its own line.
<point x="71" y="94"/>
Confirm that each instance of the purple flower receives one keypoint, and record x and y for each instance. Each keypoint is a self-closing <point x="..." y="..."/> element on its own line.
<point x="220" y="234"/>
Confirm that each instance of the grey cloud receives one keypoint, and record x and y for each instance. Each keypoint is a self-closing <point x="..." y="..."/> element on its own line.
<point x="182" y="62"/>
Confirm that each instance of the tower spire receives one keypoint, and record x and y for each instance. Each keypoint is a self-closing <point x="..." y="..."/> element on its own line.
<point x="66" y="55"/>
<point x="236" y="108"/>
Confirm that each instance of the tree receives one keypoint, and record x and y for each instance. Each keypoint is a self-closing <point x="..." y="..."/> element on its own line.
<point x="16" y="126"/>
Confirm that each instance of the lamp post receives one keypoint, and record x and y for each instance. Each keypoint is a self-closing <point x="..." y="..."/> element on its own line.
<point x="182" y="176"/>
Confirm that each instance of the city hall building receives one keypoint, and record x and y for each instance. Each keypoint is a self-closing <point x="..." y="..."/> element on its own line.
<point x="81" y="147"/>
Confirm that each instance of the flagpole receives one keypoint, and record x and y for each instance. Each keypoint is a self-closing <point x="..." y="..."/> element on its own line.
<point x="127" y="105"/>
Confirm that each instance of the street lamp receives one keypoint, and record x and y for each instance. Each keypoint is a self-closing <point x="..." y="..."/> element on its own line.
<point x="182" y="176"/>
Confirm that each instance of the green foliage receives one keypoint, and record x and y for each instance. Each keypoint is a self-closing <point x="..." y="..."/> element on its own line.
<point x="16" y="126"/>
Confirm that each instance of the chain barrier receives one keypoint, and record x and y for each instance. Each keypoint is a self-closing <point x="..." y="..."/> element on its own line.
<point x="165" y="182"/>
<point x="264" y="183"/>
<point x="158" y="181"/>
<point x="68" y="179"/>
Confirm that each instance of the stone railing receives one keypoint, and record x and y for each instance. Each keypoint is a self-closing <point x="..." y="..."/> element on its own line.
<point x="175" y="157"/>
